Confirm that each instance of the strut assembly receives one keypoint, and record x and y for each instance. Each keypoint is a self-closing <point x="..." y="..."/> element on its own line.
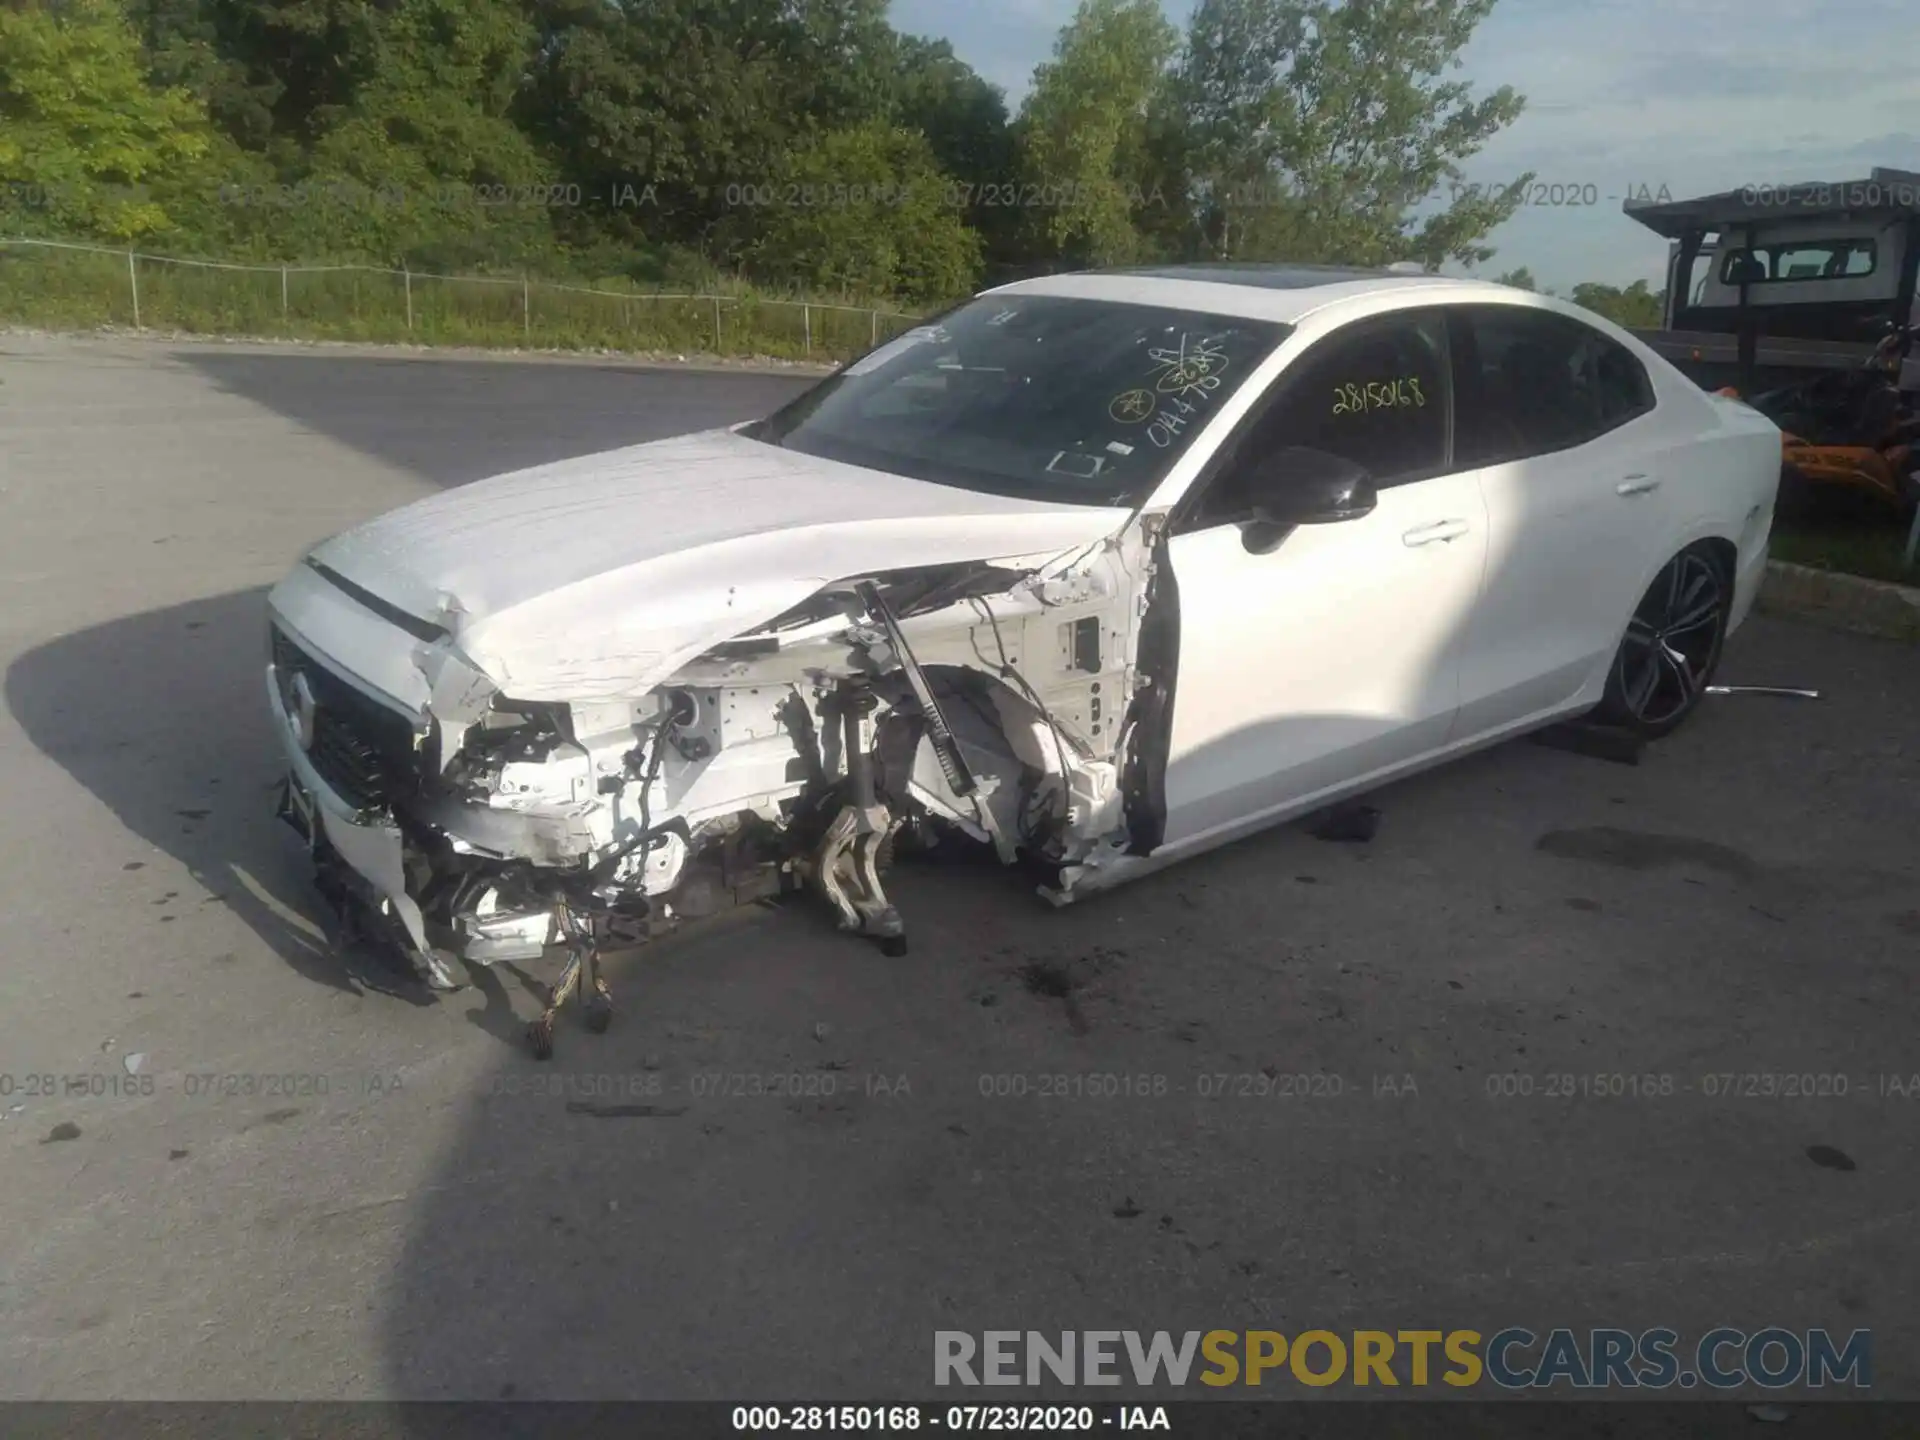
<point x="845" y="866"/>
<point x="589" y="923"/>
<point x="586" y="935"/>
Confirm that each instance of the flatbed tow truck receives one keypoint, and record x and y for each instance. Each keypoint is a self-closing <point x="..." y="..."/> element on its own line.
<point x="1771" y="285"/>
<point x="1801" y="299"/>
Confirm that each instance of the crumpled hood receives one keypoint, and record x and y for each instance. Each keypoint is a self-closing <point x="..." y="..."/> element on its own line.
<point x="597" y="577"/>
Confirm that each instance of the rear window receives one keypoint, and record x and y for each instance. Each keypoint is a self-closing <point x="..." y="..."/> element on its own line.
<point x="1804" y="260"/>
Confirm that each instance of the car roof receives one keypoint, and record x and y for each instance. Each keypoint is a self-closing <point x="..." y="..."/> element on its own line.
<point x="1285" y="293"/>
<point x="1265" y="275"/>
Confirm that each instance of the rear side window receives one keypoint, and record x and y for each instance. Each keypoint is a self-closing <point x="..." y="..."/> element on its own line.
<point x="1531" y="382"/>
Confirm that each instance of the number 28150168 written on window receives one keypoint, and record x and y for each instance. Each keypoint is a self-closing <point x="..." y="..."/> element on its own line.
<point x="1362" y="397"/>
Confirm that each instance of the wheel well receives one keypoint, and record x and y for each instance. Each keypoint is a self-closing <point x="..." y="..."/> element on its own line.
<point x="1724" y="555"/>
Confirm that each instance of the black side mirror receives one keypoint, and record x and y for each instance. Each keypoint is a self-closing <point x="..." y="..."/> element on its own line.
<point x="1745" y="270"/>
<point x="1297" y="486"/>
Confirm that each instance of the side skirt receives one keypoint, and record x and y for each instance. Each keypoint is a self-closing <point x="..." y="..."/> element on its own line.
<point x="1120" y="869"/>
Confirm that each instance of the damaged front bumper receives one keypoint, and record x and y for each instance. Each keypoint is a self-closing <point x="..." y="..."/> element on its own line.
<point x="468" y="827"/>
<point x="359" y="851"/>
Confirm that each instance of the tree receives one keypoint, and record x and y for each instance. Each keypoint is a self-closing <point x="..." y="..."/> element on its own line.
<point x="1224" y="108"/>
<point x="837" y="59"/>
<point x="963" y="117"/>
<point x="83" y="137"/>
<point x="1637" y="307"/>
<point x="287" y="70"/>
<point x="1084" y="128"/>
<point x="1521" y="279"/>
<point x="180" y="45"/>
<point x="863" y="211"/>
<point x="260" y="67"/>
<point x="423" y="160"/>
<point x="676" y="134"/>
<point x="701" y="99"/>
<point x="1318" y="127"/>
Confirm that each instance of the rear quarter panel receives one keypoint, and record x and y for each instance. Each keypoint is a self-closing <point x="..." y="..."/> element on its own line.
<point x="1719" y="459"/>
<point x="1723" y="471"/>
<point x="1719" y="464"/>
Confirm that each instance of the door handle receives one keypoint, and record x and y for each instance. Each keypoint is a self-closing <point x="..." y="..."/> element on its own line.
<point x="1636" y="485"/>
<point x="1439" y="530"/>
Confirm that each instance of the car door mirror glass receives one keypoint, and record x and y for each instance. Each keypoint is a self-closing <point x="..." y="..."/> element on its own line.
<point x="1299" y="486"/>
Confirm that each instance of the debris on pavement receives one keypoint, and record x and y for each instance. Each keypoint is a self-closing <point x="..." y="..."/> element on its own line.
<point x="1348" y="823"/>
<point x="624" y="1112"/>
<point x="1596" y="742"/>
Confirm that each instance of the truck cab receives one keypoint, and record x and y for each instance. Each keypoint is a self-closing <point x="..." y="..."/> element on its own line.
<point x="1770" y="284"/>
<point x="1810" y="279"/>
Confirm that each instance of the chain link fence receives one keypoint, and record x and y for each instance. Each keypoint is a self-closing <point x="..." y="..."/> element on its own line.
<point x="60" y="284"/>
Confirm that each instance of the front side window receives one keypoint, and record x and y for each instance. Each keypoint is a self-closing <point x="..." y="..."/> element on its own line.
<point x="1807" y="260"/>
<point x="1087" y="402"/>
<point x="1533" y="382"/>
<point x="1374" y="393"/>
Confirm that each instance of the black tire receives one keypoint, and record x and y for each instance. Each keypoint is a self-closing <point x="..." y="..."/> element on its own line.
<point x="1671" y="648"/>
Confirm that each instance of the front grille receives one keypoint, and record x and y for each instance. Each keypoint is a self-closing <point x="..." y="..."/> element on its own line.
<point x="364" y="750"/>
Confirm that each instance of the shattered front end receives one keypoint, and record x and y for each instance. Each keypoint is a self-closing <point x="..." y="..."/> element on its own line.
<point x="463" y="826"/>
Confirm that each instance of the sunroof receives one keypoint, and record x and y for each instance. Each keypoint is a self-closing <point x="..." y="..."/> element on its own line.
<point x="1262" y="276"/>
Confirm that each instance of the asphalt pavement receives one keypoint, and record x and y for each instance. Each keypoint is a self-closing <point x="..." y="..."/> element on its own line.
<point x="233" y="1165"/>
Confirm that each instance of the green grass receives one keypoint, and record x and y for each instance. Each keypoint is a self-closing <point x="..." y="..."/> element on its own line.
<point x="65" y="289"/>
<point x="1869" y="546"/>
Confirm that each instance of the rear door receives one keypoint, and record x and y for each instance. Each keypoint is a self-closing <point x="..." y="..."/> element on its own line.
<point x="1553" y="420"/>
<point x="1315" y="658"/>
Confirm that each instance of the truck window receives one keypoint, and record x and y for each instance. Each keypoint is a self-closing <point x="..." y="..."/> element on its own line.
<point x="1805" y="260"/>
<point x="1702" y="272"/>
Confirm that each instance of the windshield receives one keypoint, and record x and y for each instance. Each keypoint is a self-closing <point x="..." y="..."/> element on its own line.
<point x="1083" y="401"/>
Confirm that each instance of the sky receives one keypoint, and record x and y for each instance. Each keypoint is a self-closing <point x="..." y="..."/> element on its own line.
<point x="1624" y="96"/>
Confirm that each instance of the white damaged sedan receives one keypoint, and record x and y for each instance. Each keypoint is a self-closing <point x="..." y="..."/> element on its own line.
<point x="1101" y="570"/>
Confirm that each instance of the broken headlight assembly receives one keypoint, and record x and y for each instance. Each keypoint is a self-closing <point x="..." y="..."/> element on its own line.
<point x="789" y="757"/>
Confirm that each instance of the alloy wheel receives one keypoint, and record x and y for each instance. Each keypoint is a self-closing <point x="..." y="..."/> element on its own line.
<point x="1671" y="641"/>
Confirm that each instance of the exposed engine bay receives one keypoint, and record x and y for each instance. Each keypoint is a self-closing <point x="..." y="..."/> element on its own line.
<point x="1007" y="702"/>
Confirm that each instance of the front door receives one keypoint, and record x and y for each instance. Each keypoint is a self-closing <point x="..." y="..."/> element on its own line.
<point x="1334" y="654"/>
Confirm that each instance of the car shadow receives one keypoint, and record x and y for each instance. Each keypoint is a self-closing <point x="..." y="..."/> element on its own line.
<point x="162" y="717"/>
<point x="758" y="1206"/>
<point x="453" y="421"/>
<point x="785" y="1133"/>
